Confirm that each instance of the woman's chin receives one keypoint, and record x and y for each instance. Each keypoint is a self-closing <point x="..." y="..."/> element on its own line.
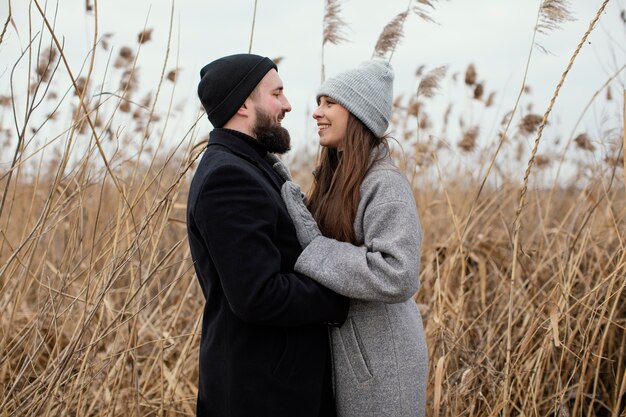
<point x="327" y="144"/>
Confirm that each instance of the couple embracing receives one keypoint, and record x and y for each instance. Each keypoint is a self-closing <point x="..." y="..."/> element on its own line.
<point x="309" y="309"/>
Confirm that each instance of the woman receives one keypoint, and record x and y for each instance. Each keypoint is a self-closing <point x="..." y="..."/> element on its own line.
<point x="362" y="240"/>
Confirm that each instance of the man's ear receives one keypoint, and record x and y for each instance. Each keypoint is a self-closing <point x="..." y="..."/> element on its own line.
<point x="246" y="109"/>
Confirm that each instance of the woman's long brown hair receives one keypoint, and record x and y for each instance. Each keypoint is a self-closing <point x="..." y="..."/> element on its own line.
<point x="334" y="197"/>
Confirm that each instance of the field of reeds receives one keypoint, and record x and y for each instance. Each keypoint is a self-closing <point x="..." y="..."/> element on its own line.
<point x="523" y="277"/>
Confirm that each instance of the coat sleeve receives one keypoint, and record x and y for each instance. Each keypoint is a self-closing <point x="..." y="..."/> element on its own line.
<point x="238" y="221"/>
<point x="386" y="267"/>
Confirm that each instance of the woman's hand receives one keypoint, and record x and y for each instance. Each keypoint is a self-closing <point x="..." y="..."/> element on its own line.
<point x="278" y="166"/>
<point x="305" y="224"/>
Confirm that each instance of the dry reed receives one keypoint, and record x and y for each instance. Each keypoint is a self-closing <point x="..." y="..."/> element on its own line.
<point x="429" y="85"/>
<point x="334" y="28"/>
<point x="390" y="36"/>
<point x="518" y="214"/>
<point x="553" y="13"/>
<point x="334" y="25"/>
<point x="101" y="310"/>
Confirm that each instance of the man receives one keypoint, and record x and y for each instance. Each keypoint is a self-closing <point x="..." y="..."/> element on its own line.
<point x="264" y="346"/>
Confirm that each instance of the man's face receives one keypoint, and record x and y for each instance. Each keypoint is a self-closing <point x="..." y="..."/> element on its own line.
<point x="270" y="106"/>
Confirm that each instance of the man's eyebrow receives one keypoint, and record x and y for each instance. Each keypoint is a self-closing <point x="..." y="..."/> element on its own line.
<point x="279" y="88"/>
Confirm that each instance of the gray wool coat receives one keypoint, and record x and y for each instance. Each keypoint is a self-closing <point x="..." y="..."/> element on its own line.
<point x="379" y="354"/>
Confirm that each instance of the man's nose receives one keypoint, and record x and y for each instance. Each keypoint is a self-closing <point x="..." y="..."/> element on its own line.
<point x="286" y="105"/>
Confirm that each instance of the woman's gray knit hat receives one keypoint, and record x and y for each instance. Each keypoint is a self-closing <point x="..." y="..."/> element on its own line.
<point x="367" y="92"/>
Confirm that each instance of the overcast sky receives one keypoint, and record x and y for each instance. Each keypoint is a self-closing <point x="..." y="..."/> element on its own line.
<point x="494" y="35"/>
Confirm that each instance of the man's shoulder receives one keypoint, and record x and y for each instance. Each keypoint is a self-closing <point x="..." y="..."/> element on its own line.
<point x="219" y="162"/>
<point x="223" y="173"/>
<point x="216" y="157"/>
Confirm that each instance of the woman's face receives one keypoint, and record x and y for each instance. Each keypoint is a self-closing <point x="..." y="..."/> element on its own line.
<point x="332" y="122"/>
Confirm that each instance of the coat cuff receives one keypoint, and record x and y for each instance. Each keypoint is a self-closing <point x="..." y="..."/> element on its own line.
<point x="313" y="261"/>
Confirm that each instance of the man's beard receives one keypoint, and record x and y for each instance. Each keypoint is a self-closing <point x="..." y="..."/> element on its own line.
<point x="271" y="135"/>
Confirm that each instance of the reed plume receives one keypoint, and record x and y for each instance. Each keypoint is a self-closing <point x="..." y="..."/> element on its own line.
<point x="424" y="12"/>
<point x="124" y="58"/>
<point x="429" y="85"/>
<point x="542" y="161"/>
<point x="490" y="99"/>
<point x="171" y="75"/>
<point x="479" y="89"/>
<point x="334" y="28"/>
<point x="144" y="36"/>
<point x="530" y="123"/>
<point x="46" y="63"/>
<point x="583" y="141"/>
<point x="468" y="142"/>
<point x="334" y="25"/>
<point x="470" y="75"/>
<point x="393" y="32"/>
<point x="391" y="35"/>
<point x="552" y="14"/>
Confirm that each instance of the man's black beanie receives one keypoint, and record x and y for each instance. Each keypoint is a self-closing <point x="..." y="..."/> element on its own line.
<point x="227" y="82"/>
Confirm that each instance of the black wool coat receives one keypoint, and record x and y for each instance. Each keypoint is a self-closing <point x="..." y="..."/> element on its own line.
<point x="264" y="347"/>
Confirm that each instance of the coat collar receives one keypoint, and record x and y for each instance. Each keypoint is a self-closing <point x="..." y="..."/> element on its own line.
<point x="237" y="142"/>
<point x="245" y="147"/>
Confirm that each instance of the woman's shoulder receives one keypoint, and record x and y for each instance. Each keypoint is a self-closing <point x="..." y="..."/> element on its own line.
<point x="383" y="164"/>
<point x="385" y="182"/>
<point x="384" y="169"/>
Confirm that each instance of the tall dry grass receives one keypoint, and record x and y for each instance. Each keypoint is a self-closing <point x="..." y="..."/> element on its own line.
<point x="99" y="301"/>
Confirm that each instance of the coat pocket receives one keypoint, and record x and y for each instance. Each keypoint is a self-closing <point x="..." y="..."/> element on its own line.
<point x="281" y="363"/>
<point x="355" y="351"/>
